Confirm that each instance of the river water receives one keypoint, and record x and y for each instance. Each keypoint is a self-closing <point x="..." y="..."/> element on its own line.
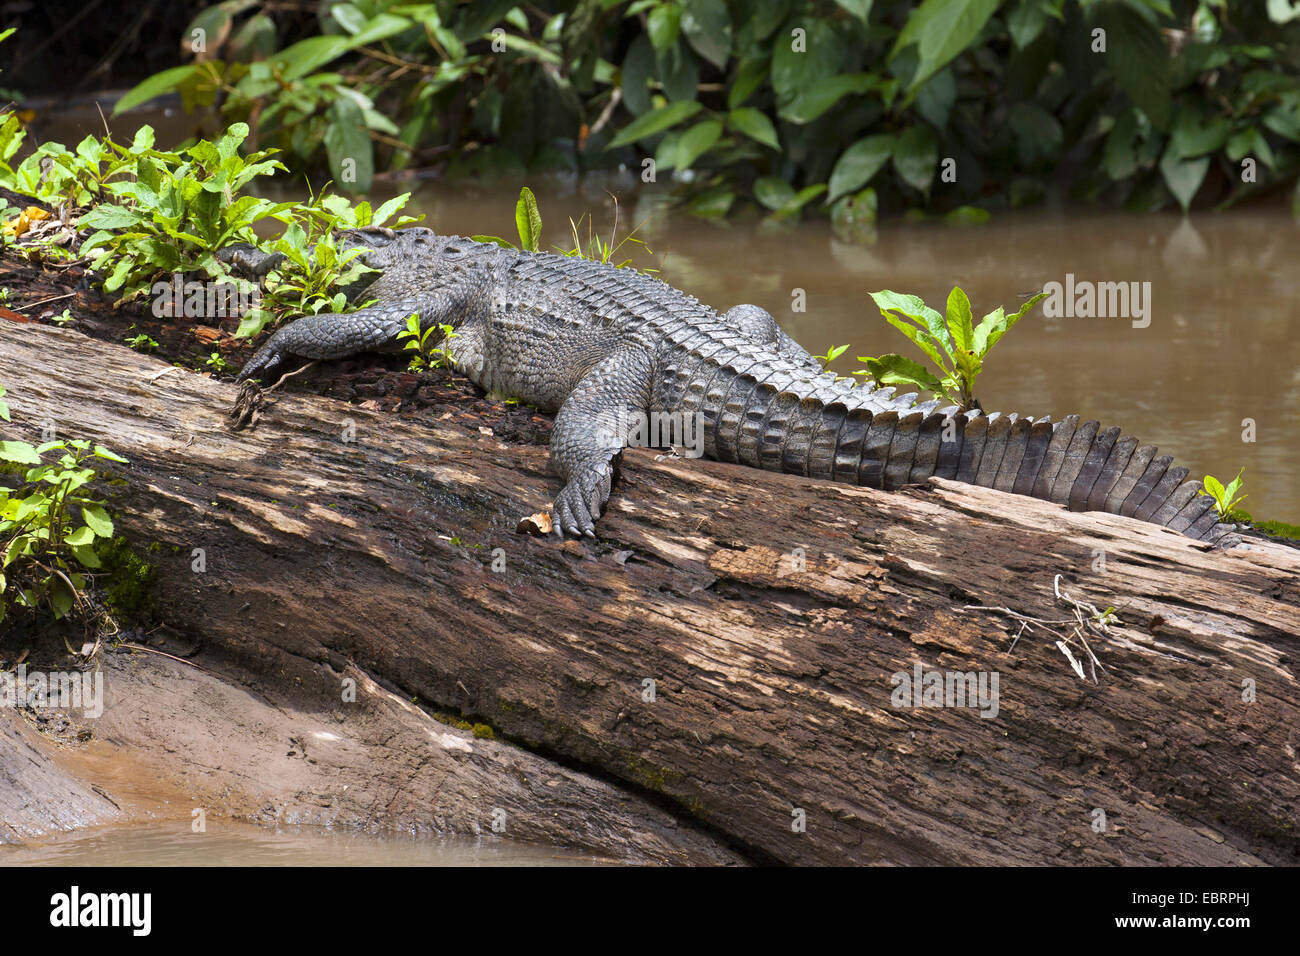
<point x="1220" y="344"/>
<point x="236" y="844"/>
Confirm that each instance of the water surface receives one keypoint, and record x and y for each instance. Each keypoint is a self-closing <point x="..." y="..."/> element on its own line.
<point x="235" y="844"/>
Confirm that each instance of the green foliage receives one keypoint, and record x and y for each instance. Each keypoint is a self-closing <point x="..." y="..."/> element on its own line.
<point x="1226" y="498"/>
<point x="953" y="342"/>
<point x="176" y="209"/>
<point x="141" y="342"/>
<point x="528" y="222"/>
<point x="317" y="271"/>
<point x="1279" y="529"/>
<point x="728" y="96"/>
<point x="127" y="581"/>
<point x="52" y="527"/>
<point x="428" y="355"/>
<point x="832" y="353"/>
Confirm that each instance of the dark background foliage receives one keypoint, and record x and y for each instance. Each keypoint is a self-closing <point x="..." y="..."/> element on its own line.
<point x="846" y="107"/>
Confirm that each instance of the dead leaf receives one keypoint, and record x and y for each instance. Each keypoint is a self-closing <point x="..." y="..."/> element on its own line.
<point x="539" y="523"/>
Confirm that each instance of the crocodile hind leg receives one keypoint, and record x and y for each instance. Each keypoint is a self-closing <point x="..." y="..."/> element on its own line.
<point x="590" y="432"/>
<point x="759" y="326"/>
<point x="332" y="335"/>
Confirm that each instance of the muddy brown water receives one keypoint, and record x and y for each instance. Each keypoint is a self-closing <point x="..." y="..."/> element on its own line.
<point x="1220" y="346"/>
<point x="232" y="844"/>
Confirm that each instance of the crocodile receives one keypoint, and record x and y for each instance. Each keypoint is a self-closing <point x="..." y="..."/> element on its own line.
<point x="597" y="345"/>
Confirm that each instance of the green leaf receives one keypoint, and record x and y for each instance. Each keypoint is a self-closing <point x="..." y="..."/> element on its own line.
<point x="754" y="124"/>
<point x="773" y="192"/>
<point x="61" y="598"/>
<point x="102" y="452"/>
<point x="97" y="519"/>
<point x="19" y="452"/>
<point x="82" y="536"/>
<point x="346" y="140"/>
<point x="86" y="555"/>
<point x="1195" y="135"/>
<point x="663" y="25"/>
<point x="1279" y="11"/>
<point x="794" y="71"/>
<point x="503" y="243"/>
<point x="859" y="8"/>
<point x="528" y="220"/>
<point x="154" y="86"/>
<point x="696" y="141"/>
<point x="1009" y="322"/>
<point x="306" y="56"/>
<point x="707" y="26"/>
<point x="895" y="369"/>
<point x="381" y="27"/>
<point x="922" y="339"/>
<point x="108" y="216"/>
<point x="941" y="29"/>
<point x="656" y="121"/>
<point x="1026" y="22"/>
<point x="822" y="94"/>
<point x="1214" y="487"/>
<point x="800" y="199"/>
<point x="915" y="156"/>
<point x="859" y="163"/>
<point x="913" y="308"/>
<point x="1183" y="176"/>
<point x="1138" y="57"/>
<point x="750" y="74"/>
<point x="960" y="320"/>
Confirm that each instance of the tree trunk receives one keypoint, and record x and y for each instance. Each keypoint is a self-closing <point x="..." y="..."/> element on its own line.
<point x="730" y="645"/>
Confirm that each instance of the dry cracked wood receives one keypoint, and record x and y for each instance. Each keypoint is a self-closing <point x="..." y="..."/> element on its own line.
<point x="770" y="613"/>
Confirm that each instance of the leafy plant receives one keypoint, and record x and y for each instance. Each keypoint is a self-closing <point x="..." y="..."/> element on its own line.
<point x="776" y="106"/>
<point x="316" y="271"/>
<point x="832" y="353"/>
<point x="953" y="342"/>
<point x="1226" y="498"/>
<point x="528" y="222"/>
<point x="177" y="209"/>
<point x="141" y="343"/>
<point x="51" y="524"/>
<point x="427" y="355"/>
<point x="216" y="362"/>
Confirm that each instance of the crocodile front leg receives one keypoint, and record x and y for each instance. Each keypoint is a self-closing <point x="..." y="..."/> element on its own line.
<point x="332" y="335"/>
<point x="590" y="432"/>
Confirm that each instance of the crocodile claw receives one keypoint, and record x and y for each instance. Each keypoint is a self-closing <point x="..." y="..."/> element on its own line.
<point x="578" y="505"/>
<point x="265" y="359"/>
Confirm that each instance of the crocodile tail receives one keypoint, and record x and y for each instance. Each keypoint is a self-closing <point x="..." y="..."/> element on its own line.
<point x="871" y="438"/>
<point x="1080" y="465"/>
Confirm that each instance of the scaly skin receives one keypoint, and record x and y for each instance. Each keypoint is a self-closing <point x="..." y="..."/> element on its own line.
<point x="593" y="344"/>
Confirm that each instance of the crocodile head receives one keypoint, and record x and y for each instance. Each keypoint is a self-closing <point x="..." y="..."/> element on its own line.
<point x="416" y="246"/>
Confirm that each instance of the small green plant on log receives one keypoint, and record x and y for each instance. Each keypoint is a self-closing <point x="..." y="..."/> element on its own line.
<point x="52" y="526"/>
<point x="953" y="342"/>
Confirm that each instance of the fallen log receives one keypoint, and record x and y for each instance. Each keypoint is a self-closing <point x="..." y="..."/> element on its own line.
<point x="736" y="643"/>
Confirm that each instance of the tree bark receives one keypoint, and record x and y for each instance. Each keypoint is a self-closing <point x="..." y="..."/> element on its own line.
<point x="729" y="646"/>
